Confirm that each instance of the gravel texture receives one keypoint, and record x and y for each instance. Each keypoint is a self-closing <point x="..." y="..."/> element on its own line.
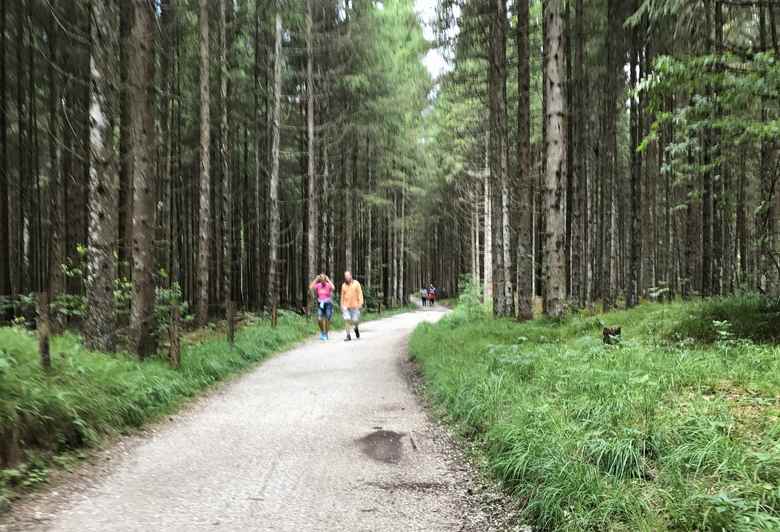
<point x="330" y="436"/>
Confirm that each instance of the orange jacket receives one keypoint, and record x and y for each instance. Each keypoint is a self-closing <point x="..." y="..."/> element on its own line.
<point x="351" y="295"/>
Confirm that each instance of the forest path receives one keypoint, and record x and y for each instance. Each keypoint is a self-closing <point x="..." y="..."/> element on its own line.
<point x="328" y="436"/>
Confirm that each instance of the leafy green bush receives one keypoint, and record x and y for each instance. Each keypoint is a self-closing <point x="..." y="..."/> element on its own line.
<point x="752" y="317"/>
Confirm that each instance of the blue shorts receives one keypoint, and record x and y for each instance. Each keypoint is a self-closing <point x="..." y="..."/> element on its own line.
<point x="325" y="310"/>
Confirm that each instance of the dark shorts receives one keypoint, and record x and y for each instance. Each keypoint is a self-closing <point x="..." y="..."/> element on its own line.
<point x="325" y="310"/>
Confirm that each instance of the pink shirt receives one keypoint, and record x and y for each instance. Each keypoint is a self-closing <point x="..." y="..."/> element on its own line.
<point x="324" y="292"/>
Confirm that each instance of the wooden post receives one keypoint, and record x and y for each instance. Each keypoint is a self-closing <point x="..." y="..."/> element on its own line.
<point x="231" y="322"/>
<point x="174" y="347"/>
<point x="44" y="329"/>
<point x="10" y="454"/>
<point x="273" y="315"/>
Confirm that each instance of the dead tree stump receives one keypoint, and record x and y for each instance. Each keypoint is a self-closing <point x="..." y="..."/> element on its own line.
<point x="174" y="344"/>
<point x="611" y="335"/>
<point x="230" y="310"/>
<point x="44" y="330"/>
<point x="10" y="455"/>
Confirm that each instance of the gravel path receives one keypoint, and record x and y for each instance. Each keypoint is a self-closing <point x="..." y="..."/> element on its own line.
<point x="328" y="436"/>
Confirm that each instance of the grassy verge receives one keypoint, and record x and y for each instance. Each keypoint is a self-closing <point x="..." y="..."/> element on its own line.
<point x="652" y="434"/>
<point x="88" y="395"/>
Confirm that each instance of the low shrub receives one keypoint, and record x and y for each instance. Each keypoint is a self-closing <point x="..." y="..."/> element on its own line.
<point x="752" y="317"/>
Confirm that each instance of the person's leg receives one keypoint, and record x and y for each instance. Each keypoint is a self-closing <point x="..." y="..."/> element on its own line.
<point x="348" y="323"/>
<point x="355" y="315"/>
<point x="328" y="317"/>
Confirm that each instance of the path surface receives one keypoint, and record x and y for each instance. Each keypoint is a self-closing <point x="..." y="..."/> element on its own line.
<point x="328" y="436"/>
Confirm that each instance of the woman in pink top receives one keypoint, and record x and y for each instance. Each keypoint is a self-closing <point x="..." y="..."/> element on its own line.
<point x="323" y="289"/>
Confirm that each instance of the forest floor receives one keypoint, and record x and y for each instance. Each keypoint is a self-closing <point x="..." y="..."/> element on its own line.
<point x="677" y="427"/>
<point x="328" y="436"/>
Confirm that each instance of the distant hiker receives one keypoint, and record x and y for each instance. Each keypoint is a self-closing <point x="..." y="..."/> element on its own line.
<point x="351" y="303"/>
<point x="431" y="295"/>
<point x="424" y="296"/>
<point x="323" y="288"/>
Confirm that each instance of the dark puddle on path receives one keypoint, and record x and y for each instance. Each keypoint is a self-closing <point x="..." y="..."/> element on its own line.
<point x="383" y="446"/>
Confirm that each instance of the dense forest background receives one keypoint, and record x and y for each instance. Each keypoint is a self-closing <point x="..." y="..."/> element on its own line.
<point x="212" y="151"/>
<point x="617" y="149"/>
<point x="223" y="152"/>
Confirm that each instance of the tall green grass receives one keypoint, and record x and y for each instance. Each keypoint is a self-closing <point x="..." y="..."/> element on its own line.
<point x="88" y="395"/>
<point x="658" y="433"/>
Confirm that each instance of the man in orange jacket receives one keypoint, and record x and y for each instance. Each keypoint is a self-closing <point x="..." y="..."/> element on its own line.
<point x="351" y="303"/>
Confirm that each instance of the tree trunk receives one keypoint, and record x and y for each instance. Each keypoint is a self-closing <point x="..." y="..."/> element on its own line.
<point x="5" y="220"/>
<point x="273" y="193"/>
<point x="609" y="225"/>
<point x="142" y="139"/>
<point x="487" y="261"/>
<point x="312" y="229"/>
<point x="99" y="329"/>
<point x="204" y="219"/>
<point x="56" y="243"/>
<point x="635" y="263"/>
<point x="502" y="265"/>
<point x="227" y="183"/>
<point x="125" y="218"/>
<point x="582" y="222"/>
<point x="525" y="175"/>
<point x="369" y="230"/>
<point x="555" y="141"/>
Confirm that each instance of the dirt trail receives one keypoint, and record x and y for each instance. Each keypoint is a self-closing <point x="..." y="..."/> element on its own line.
<point x="328" y="436"/>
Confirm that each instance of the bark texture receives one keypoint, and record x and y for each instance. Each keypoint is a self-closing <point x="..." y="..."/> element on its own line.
<point x="555" y="153"/>
<point x="204" y="219"/>
<point x="142" y="149"/>
<point x="99" y="328"/>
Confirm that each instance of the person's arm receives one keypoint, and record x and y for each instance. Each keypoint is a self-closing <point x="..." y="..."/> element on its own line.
<point x="341" y="299"/>
<point x="313" y="284"/>
<point x="360" y="296"/>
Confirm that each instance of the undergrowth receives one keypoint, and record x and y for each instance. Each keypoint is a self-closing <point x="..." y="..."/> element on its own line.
<point x="660" y="432"/>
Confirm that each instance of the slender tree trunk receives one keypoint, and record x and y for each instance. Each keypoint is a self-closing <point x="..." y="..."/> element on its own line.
<point x="312" y="229"/>
<point x="502" y="265"/>
<point x="224" y="156"/>
<point x="369" y="231"/>
<point x="204" y="218"/>
<point x="488" y="226"/>
<point x="5" y="220"/>
<point x="273" y="194"/>
<point x="609" y="225"/>
<point x="582" y="219"/>
<point x="707" y="187"/>
<point x="635" y="263"/>
<point x="525" y="174"/>
<point x="769" y="256"/>
<point x="260" y="171"/>
<point x="101" y="266"/>
<point x="348" y="211"/>
<point x="56" y="244"/>
<point x="555" y="187"/>
<point x="125" y="218"/>
<point x="142" y="140"/>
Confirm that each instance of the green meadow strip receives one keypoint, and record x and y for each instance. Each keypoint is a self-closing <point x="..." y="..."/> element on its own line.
<point x="668" y="430"/>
